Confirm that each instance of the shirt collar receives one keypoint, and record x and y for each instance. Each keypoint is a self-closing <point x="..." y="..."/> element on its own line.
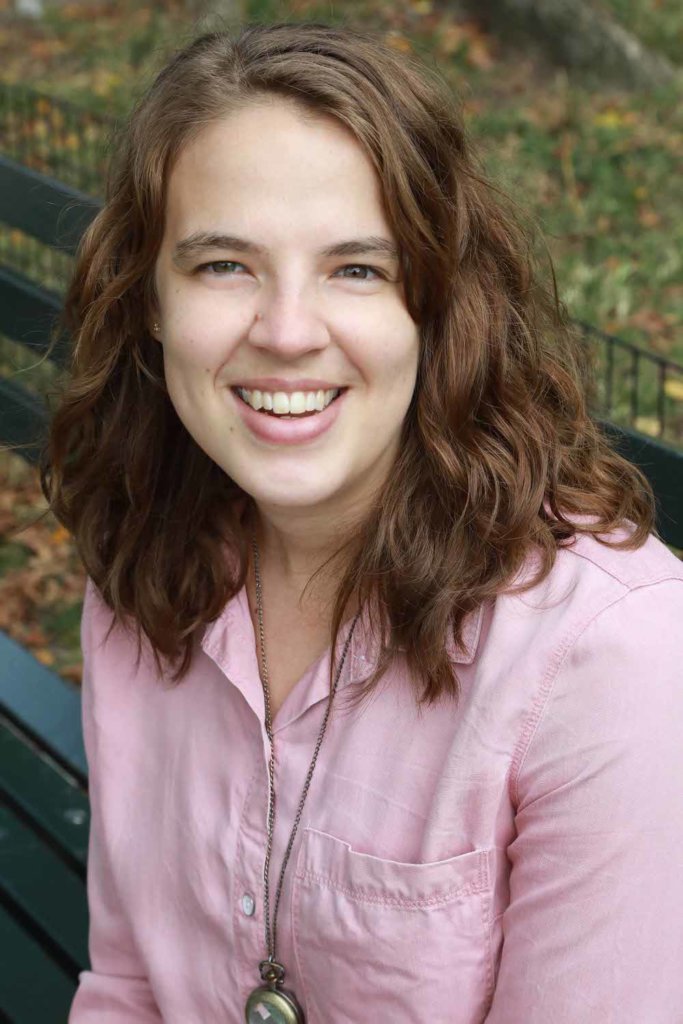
<point x="230" y="641"/>
<point x="364" y="648"/>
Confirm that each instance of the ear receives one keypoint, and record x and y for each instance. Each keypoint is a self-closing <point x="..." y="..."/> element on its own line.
<point x="154" y="326"/>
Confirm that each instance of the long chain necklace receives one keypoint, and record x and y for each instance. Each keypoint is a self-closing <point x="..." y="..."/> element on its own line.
<point x="270" y="1002"/>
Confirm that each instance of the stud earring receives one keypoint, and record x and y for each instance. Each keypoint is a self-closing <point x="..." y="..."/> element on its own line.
<point x="156" y="326"/>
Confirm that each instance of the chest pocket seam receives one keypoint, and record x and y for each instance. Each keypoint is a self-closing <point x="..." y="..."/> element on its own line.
<point x="418" y="903"/>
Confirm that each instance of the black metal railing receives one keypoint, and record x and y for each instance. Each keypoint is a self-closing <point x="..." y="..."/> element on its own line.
<point x="63" y="142"/>
<point x="634" y="386"/>
<point x="55" y="137"/>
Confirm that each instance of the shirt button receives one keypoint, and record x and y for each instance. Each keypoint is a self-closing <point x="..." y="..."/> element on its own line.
<point x="248" y="904"/>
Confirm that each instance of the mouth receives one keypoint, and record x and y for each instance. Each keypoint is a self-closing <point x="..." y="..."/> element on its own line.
<point x="283" y="406"/>
<point x="288" y="421"/>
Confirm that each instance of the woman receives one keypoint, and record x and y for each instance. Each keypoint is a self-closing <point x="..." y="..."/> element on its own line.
<point x="382" y="656"/>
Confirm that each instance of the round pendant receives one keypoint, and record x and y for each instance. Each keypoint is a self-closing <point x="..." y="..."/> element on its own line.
<point x="267" y="1005"/>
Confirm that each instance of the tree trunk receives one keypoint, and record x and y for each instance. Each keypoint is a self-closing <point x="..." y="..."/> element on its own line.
<point x="578" y="35"/>
<point x="212" y="15"/>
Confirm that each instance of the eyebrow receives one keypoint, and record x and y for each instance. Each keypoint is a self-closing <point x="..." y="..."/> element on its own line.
<point x="202" y="241"/>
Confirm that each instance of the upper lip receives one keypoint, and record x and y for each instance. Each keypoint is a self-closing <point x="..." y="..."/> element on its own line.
<point x="288" y="386"/>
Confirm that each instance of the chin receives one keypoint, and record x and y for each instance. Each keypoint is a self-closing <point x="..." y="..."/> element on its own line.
<point x="293" y="498"/>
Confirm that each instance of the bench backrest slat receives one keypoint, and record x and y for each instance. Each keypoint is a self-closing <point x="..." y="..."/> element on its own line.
<point x="43" y="208"/>
<point x="43" y="889"/>
<point x="35" y="989"/>
<point x="28" y="313"/>
<point x="45" y="794"/>
<point x="23" y="419"/>
<point x="43" y="705"/>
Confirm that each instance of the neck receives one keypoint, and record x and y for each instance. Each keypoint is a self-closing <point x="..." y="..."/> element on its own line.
<point x="295" y="544"/>
<point x="294" y="548"/>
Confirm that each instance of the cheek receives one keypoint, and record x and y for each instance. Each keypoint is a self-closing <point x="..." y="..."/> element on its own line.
<point x="385" y="343"/>
<point x="403" y="366"/>
<point x="397" y="358"/>
<point x="189" y="371"/>
<point x="198" y="327"/>
<point x="197" y="347"/>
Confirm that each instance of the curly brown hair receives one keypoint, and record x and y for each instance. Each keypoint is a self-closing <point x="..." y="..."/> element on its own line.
<point x="498" y="449"/>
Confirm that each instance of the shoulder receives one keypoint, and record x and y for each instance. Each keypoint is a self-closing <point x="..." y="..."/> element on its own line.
<point x="613" y="636"/>
<point x="595" y="596"/>
<point x="94" y="617"/>
<point x="609" y="686"/>
<point x="643" y="586"/>
<point x="633" y="608"/>
<point x="590" y="574"/>
<point x="109" y="644"/>
<point x="628" y="567"/>
<point x="628" y="598"/>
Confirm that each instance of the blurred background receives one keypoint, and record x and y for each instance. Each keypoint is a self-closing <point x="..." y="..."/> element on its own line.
<point x="575" y="105"/>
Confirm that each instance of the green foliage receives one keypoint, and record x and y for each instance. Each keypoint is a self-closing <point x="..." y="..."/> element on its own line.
<point x="260" y="10"/>
<point x="13" y="556"/>
<point x="658" y="23"/>
<point x="65" y="624"/>
<point x="602" y="176"/>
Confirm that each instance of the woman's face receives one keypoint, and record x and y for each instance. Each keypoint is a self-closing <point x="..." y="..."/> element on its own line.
<point x="276" y="275"/>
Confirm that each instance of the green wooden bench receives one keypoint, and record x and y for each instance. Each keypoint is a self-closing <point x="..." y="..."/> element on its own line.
<point x="44" y="819"/>
<point x="44" y="811"/>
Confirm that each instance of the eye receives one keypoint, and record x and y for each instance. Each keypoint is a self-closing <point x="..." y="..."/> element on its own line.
<point x="362" y="266"/>
<point x="219" y="263"/>
<point x="221" y="268"/>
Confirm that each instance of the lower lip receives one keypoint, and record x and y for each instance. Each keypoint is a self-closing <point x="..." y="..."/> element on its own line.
<point x="278" y="430"/>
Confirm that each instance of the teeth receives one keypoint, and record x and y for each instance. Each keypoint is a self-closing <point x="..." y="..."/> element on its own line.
<point x="293" y="404"/>
<point x="297" y="403"/>
<point x="281" y="402"/>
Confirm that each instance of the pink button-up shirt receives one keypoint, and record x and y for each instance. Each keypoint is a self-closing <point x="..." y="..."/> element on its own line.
<point x="515" y="860"/>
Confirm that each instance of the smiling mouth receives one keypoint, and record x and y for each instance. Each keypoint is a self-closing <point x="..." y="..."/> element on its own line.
<point x="279" y="402"/>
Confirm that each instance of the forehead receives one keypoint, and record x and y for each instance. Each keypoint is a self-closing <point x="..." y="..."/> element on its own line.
<point x="270" y="167"/>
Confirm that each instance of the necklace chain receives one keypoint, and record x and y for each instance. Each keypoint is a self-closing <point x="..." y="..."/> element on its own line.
<point x="270" y="939"/>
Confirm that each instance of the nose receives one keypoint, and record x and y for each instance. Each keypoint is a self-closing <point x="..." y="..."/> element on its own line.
<point x="287" y="323"/>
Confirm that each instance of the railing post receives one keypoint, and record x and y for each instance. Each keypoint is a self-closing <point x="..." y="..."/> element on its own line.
<point x="609" y="373"/>
<point x="661" y="398"/>
<point x="635" y="364"/>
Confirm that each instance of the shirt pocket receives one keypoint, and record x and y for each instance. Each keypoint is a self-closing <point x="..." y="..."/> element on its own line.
<point x="384" y="940"/>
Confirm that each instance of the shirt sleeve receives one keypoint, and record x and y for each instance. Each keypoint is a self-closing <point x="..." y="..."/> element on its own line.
<point x="593" y="931"/>
<point x="115" y="990"/>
